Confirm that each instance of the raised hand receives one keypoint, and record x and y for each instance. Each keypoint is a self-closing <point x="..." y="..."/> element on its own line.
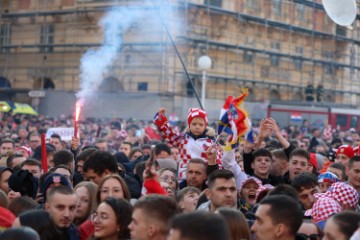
<point x="264" y="131"/>
<point x="74" y="143"/>
<point x="160" y="119"/>
<point x="211" y="154"/>
<point x="271" y="124"/>
<point x="150" y="173"/>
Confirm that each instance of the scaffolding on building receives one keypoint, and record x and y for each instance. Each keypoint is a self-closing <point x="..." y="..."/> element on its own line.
<point x="273" y="47"/>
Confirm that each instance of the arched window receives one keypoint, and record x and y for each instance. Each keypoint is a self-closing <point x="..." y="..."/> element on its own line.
<point x="44" y="83"/>
<point x="251" y="96"/>
<point x="274" y="95"/>
<point x="329" y="97"/>
<point x="297" y="96"/>
<point x="111" y="84"/>
<point x="48" y="84"/>
<point x="4" y="83"/>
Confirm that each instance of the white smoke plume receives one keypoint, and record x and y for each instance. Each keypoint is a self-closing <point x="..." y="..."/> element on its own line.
<point x="95" y="63"/>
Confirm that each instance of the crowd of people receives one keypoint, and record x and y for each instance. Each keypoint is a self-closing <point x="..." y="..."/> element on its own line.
<point x="163" y="180"/>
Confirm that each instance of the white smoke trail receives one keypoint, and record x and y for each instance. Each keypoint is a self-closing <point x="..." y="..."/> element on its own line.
<point x="95" y="63"/>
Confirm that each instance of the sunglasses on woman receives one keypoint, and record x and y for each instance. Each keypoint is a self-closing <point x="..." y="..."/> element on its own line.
<point x="308" y="237"/>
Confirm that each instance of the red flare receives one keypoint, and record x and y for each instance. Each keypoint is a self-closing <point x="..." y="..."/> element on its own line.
<point x="77" y="114"/>
<point x="77" y="111"/>
<point x="44" y="162"/>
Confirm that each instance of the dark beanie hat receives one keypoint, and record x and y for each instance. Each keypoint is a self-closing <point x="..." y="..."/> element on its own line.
<point x="22" y="181"/>
<point x="336" y="141"/>
<point x="37" y="152"/>
<point x="54" y="178"/>
<point x="121" y="157"/>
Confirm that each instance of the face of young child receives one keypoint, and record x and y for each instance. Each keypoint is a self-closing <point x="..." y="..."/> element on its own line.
<point x="197" y="126"/>
<point x="189" y="202"/>
<point x="324" y="186"/>
<point x="248" y="192"/>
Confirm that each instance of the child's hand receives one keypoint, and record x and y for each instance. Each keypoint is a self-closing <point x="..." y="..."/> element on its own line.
<point x="160" y="119"/>
<point x="211" y="155"/>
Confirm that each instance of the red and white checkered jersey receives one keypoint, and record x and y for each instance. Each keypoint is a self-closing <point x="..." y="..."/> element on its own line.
<point x="188" y="146"/>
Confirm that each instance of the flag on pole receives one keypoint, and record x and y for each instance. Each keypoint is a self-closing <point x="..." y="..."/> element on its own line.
<point x="233" y="120"/>
<point x="249" y="135"/>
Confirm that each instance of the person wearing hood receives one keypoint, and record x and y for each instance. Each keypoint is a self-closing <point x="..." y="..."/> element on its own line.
<point x="23" y="183"/>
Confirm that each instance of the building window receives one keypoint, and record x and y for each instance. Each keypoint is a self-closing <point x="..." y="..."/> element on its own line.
<point x="299" y="50"/>
<point x="274" y="60"/>
<point x="275" y="45"/>
<point x="298" y="61"/>
<point x="128" y="59"/>
<point x="112" y="33"/>
<point x="215" y="3"/>
<point x="5" y="36"/>
<point x="47" y="37"/>
<point x="354" y="121"/>
<point x="251" y="41"/>
<point x="340" y="31"/>
<point x="252" y="4"/>
<point x="248" y="57"/>
<point x="142" y="86"/>
<point x="276" y="7"/>
<point x="329" y="69"/>
<point x="327" y="55"/>
<point x="352" y="60"/>
<point x="4" y="82"/>
<point x="300" y="11"/>
<point x="341" y="120"/>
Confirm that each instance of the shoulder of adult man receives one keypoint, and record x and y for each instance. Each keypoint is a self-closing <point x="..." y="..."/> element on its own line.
<point x="134" y="185"/>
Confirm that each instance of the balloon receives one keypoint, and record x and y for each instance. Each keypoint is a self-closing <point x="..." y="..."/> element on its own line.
<point x="342" y="12"/>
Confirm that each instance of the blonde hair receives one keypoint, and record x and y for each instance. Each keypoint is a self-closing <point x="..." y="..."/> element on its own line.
<point x="4" y="201"/>
<point x="92" y="190"/>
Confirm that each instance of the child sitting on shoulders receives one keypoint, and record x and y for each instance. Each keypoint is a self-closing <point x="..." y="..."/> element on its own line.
<point x="198" y="137"/>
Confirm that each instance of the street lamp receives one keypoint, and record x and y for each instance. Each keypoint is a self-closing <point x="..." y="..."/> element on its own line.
<point x="204" y="64"/>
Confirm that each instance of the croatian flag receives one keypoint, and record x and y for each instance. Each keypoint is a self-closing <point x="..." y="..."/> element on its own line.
<point x="249" y="135"/>
<point x="233" y="119"/>
<point x="295" y="117"/>
<point x="224" y="117"/>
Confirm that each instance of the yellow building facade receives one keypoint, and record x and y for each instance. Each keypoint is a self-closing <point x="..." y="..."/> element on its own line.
<point x="273" y="47"/>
